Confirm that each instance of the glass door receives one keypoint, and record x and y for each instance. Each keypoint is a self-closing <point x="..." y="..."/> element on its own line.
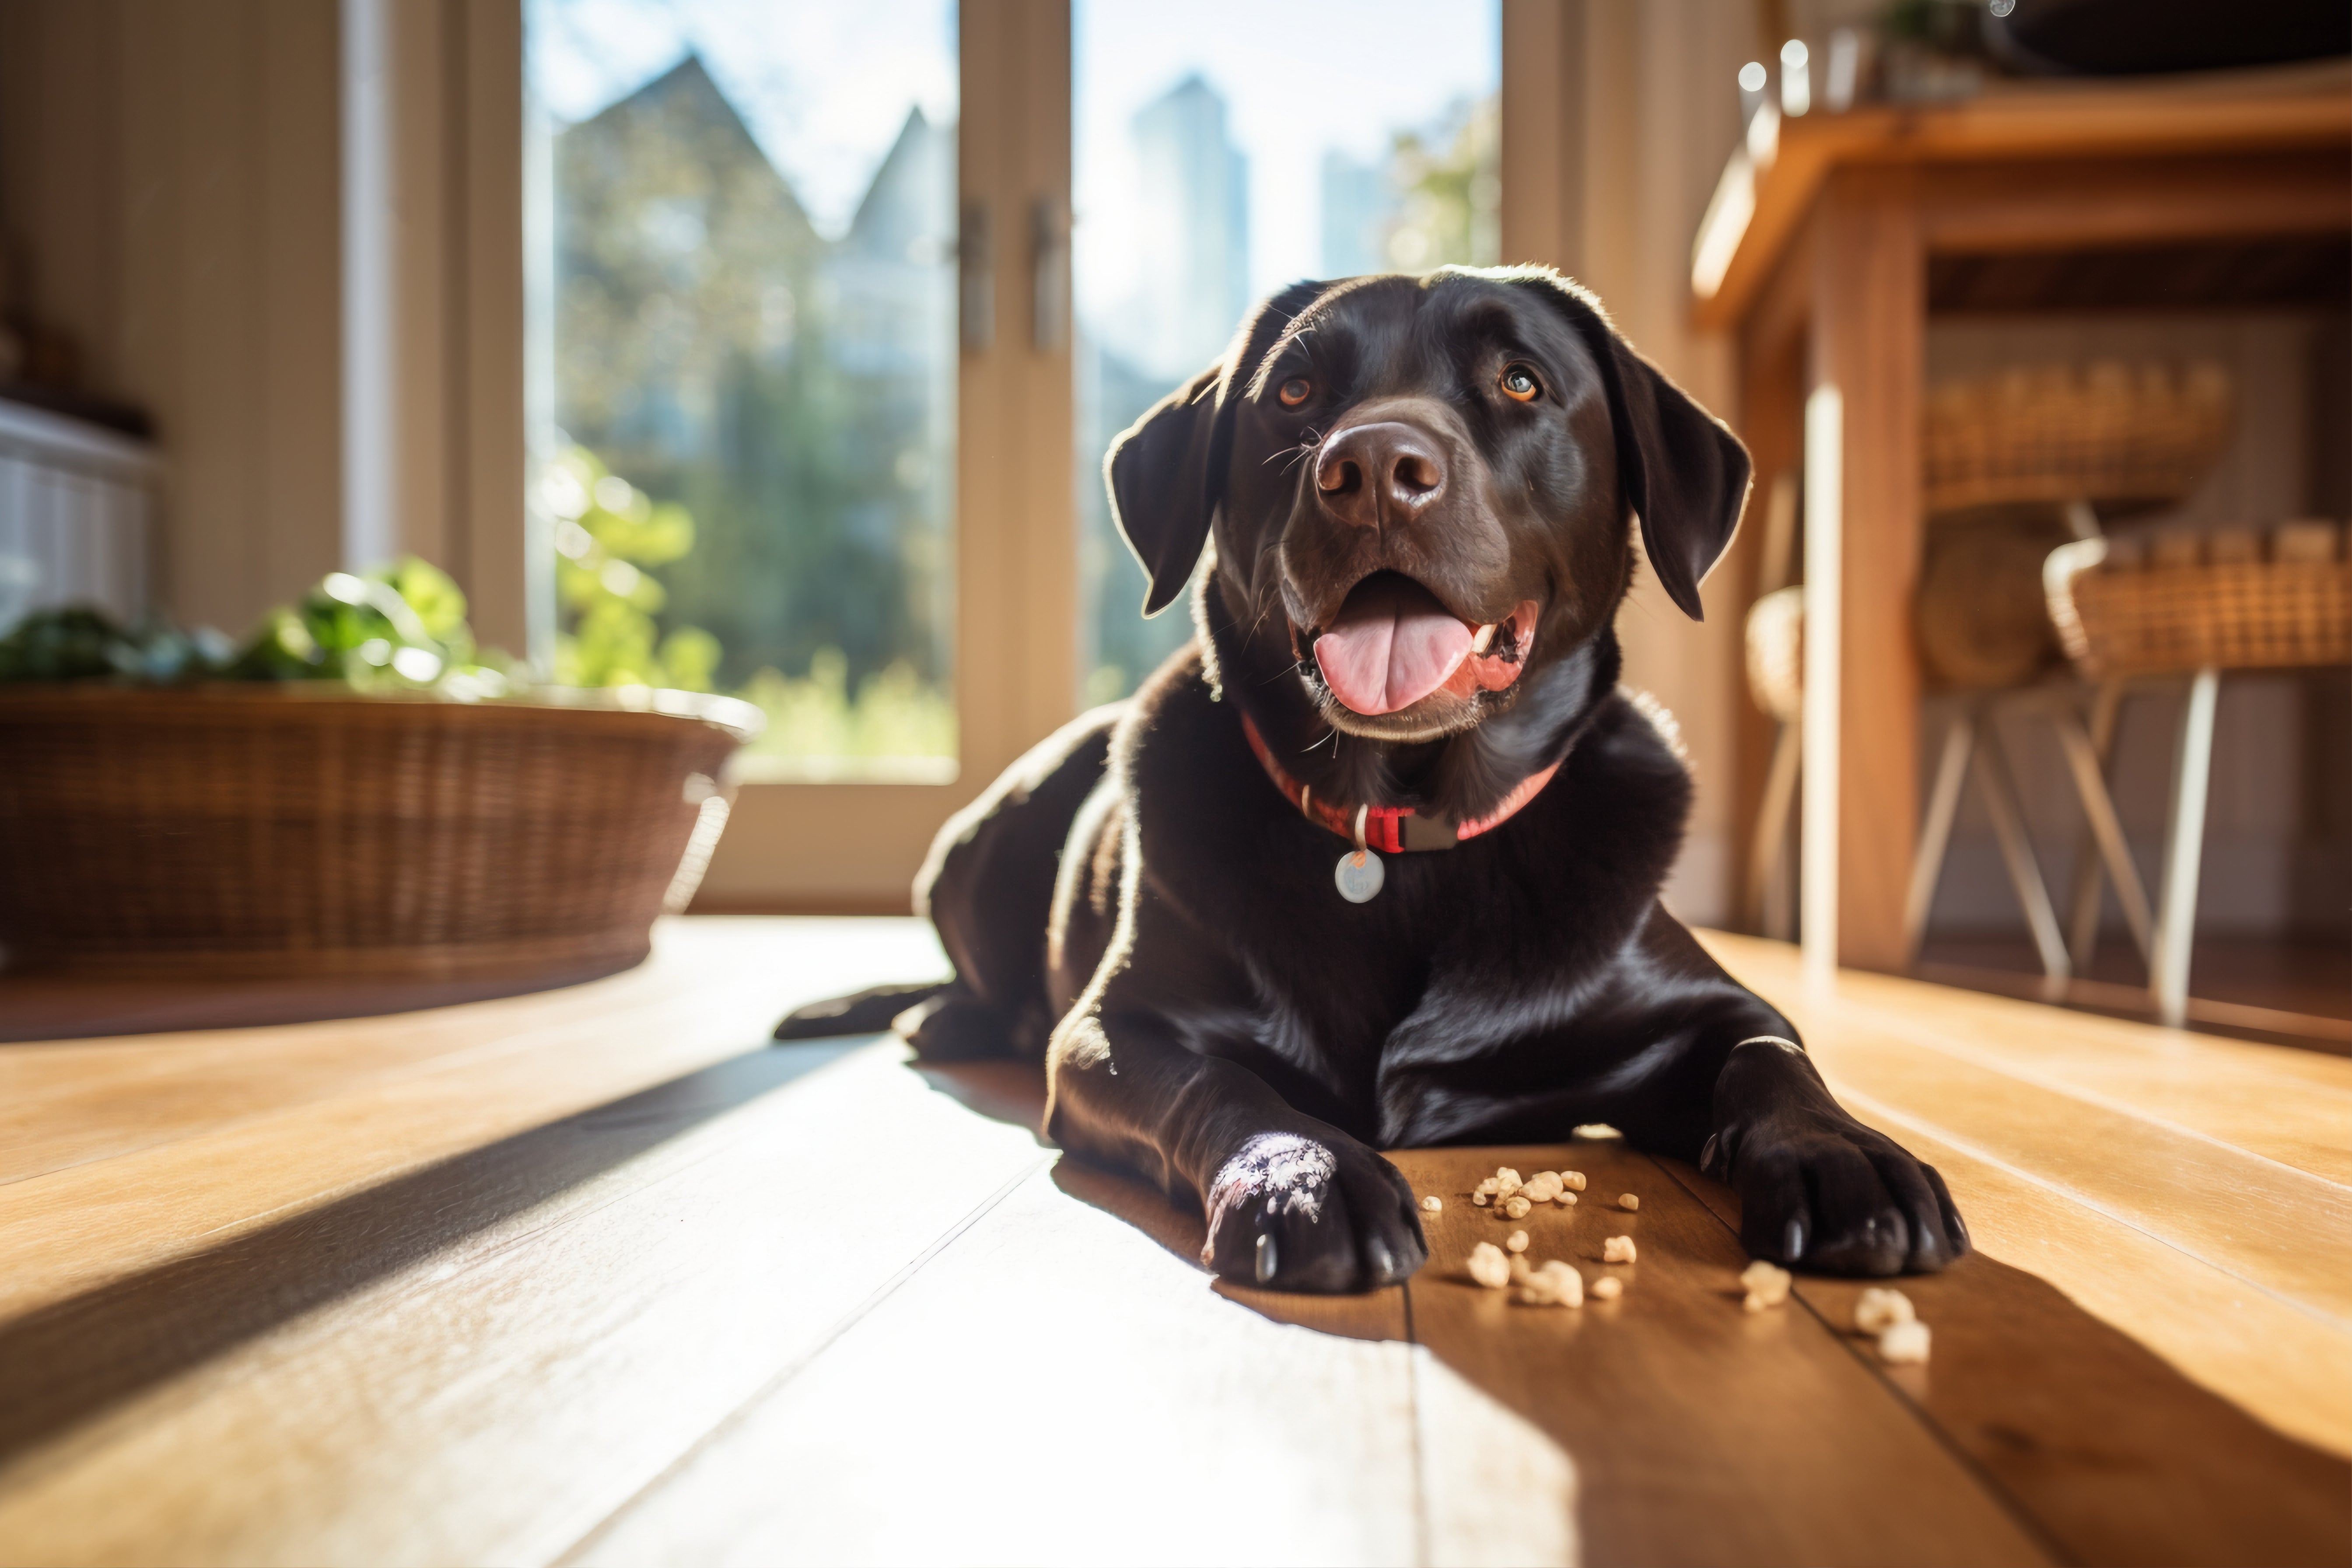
<point x="748" y="468"/>
<point x="1213" y="167"/>
<point x="798" y="361"/>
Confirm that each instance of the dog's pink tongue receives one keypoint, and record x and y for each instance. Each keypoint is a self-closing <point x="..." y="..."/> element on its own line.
<point x="1392" y="644"/>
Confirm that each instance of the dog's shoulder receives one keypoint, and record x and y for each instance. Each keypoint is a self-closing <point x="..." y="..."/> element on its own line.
<point x="1626" y="776"/>
<point x="1179" y="754"/>
<point x="1635" y="741"/>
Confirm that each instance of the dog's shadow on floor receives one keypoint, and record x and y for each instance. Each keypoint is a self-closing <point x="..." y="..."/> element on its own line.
<point x="1014" y="1093"/>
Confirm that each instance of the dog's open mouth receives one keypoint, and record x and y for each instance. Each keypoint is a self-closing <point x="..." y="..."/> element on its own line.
<point x="1393" y="644"/>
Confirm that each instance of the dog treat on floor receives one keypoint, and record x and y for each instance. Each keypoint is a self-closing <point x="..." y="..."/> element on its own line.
<point x="1607" y="1288"/>
<point x="1903" y="1344"/>
<point x="1767" y="1285"/>
<point x="1518" y="1207"/>
<point x="1542" y="1187"/>
<point x="1489" y="1267"/>
<point x="1877" y="1311"/>
<point x="1628" y="1202"/>
<point x="1572" y="1180"/>
<point x="1519" y="1270"/>
<point x="1556" y="1284"/>
<point x="1432" y="1204"/>
<point x="1617" y="1250"/>
<point x="1566" y="1200"/>
<point x="1517" y="1241"/>
<point x="1479" y="1198"/>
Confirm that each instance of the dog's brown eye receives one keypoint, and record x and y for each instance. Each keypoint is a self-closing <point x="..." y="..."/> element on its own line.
<point x="1294" y="391"/>
<point x="1519" y="383"/>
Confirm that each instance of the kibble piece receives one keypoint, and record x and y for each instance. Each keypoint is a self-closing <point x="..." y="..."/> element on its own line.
<point x="1519" y="1273"/>
<point x="1487" y="1187"/>
<point x="1489" y="1267"/>
<point x="1543" y="1188"/>
<point x="1572" y="1180"/>
<point x="1518" y="1207"/>
<point x="1432" y="1204"/>
<point x="1766" y="1283"/>
<point x="1480" y="1198"/>
<point x="1628" y="1202"/>
<point x="1903" y="1344"/>
<point x="1566" y="1200"/>
<point x="1517" y="1241"/>
<point x="1556" y="1284"/>
<point x="1878" y="1310"/>
<point x="1617" y="1250"/>
<point x="1607" y="1288"/>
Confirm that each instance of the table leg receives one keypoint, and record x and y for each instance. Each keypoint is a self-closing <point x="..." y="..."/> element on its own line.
<point x="1868" y="331"/>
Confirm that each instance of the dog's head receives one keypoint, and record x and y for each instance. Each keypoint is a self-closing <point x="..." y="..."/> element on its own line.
<point x="1420" y="488"/>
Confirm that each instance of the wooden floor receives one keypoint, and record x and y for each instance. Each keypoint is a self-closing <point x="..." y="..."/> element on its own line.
<point x="597" y="1277"/>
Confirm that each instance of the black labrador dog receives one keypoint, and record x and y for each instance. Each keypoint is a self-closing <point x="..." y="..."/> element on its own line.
<point x="1375" y="860"/>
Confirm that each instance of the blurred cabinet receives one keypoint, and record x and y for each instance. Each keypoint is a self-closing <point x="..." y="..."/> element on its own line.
<point x="76" y="504"/>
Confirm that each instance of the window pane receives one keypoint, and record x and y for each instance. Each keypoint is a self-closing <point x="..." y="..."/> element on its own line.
<point x="1212" y="169"/>
<point x="747" y="469"/>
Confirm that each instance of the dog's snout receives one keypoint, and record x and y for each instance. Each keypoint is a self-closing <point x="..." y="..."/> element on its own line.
<point x="1389" y="473"/>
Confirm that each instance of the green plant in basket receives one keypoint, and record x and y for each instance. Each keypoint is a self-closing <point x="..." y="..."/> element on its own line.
<point x="395" y="628"/>
<point x="398" y="628"/>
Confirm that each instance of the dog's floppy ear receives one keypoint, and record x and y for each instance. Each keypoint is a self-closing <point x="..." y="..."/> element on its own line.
<point x="1683" y="472"/>
<point x="1166" y="470"/>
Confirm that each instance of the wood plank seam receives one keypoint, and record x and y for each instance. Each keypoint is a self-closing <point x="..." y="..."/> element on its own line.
<point x="1879" y="1112"/>
<point x="1935" y="1040"/>
<point x="2010" y="1502"/>
<point x="801" y="1363"/>
<point x="1423" y="1553"/>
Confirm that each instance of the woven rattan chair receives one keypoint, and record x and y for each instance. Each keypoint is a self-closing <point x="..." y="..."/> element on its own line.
<point x="2060" y="436"/>
<point x="2182" y="614"/>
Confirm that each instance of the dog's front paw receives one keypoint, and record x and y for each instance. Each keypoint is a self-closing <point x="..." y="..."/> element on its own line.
<point x="1821" y="1190"/>
<point x="1295" y="1212"/>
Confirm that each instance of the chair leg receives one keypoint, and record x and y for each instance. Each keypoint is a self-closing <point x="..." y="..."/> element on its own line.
<point x="2104" y="841"/>
<point x="1767" y="856"/>
<point x="1935" y="829"/>
<point x="2017" y="850"/>
<point x="2184" y="845"/>
<point x="2083" y="899"/>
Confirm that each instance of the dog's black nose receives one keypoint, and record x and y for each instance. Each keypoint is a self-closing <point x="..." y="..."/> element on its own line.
<point x="1387" y="472"/>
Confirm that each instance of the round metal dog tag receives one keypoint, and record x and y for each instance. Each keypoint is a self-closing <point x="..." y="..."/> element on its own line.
<point x="1360" y="875"/>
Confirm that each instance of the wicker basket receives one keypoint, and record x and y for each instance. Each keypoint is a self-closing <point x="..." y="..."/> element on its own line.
<point x="2233" y="614"/>
<point x="2055" y="432"/>
<point x="248" y="831"/>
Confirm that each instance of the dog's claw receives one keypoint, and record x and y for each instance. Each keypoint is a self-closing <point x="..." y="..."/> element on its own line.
<point x="1268" y="1262"/>
<point x="1792" y="1240"/>
<point x="1707" y="1156"/>
<point x="1383" y="1262"/>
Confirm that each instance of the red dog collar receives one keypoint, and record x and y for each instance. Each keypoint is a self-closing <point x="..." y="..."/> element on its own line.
<point x="1391" y="828"/>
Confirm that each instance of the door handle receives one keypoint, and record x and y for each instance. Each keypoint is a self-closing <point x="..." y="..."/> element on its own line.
<point x="1049" y="275"/>
<point x="976" y="279"/>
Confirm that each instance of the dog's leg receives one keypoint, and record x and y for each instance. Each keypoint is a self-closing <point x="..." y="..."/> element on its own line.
<point x="1292" y="1203"/>
<point x="1816" y="1187"/>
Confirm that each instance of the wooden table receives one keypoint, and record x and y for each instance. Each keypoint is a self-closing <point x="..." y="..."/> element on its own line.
<point x="1824" y="259"/>
<point x="597" y="1276"/>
